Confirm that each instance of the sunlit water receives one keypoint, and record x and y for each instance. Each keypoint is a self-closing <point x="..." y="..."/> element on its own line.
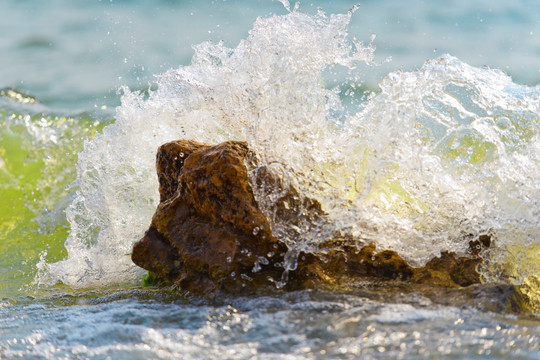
<point x="417" y="161"/>
<point x="301" y="325"/>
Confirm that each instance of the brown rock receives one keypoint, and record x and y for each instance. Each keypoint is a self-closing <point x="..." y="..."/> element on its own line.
<point x="209" y="235"/>
<point x="448" y="270"/>
<point x="208" y="232"/>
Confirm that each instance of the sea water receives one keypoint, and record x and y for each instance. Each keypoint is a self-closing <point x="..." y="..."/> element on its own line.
<point x="414" y="125"/>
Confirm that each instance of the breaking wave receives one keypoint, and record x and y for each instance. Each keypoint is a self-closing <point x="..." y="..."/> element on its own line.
<point x="436" y="156"/>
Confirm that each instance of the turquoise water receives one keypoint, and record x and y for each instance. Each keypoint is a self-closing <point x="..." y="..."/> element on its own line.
<point x="79" y="60"/>
<point x="412" y="124"/>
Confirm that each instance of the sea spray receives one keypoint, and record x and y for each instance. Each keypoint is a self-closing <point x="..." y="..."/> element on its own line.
<point x="274" y="76"/>
<point x="439" y="156"/>
<point x="458" y="146"/>
<point x="37" y="155"/>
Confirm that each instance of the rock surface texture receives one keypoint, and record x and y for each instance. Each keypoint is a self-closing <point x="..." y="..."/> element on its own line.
<point x="209" y="235"/>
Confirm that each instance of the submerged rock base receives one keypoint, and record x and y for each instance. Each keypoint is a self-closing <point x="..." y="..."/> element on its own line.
<point x="208" y="235"/>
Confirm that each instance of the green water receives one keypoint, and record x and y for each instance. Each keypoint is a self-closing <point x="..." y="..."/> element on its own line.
<point x="38" y="153"/>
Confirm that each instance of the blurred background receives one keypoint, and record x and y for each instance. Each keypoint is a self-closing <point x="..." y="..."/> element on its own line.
<point x="74" y="55"/>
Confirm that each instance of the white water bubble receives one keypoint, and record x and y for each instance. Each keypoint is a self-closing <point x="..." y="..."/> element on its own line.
<point x="415" y="167"/>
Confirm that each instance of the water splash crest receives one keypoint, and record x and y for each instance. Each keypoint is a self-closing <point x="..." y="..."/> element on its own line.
<point x="440" y="154"/>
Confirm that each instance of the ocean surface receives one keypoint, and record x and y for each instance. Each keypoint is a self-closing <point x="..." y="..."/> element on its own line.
<point x="416" y="125"/>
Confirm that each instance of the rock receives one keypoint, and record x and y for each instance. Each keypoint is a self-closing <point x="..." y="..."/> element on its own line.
<point x="448" y="270"/>
<point x="209" y="235"/>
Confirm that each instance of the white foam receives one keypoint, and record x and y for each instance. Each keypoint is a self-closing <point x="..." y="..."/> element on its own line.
<point x="440" y="153"/>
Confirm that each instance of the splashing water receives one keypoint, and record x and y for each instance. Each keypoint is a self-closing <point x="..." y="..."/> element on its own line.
<point x="37" y="156"/>
<point x="440" y="154"/>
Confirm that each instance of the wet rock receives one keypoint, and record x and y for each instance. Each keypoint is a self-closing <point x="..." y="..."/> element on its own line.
<point x="209" y="235"/>
<point x="340" y="263"/>
<point x="448" y="270"/>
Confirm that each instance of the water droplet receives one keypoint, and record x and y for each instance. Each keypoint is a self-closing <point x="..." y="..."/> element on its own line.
<point x="503" y="122"/>
<point x="255" y="230"/>
<point x="245" y="277"/>
<point x="286" y="4"/>
<point x="229" y="259"/>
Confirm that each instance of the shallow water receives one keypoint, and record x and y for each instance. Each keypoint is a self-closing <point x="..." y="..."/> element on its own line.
<point x="302" y="325"/>
<point x="417" y="153"/>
